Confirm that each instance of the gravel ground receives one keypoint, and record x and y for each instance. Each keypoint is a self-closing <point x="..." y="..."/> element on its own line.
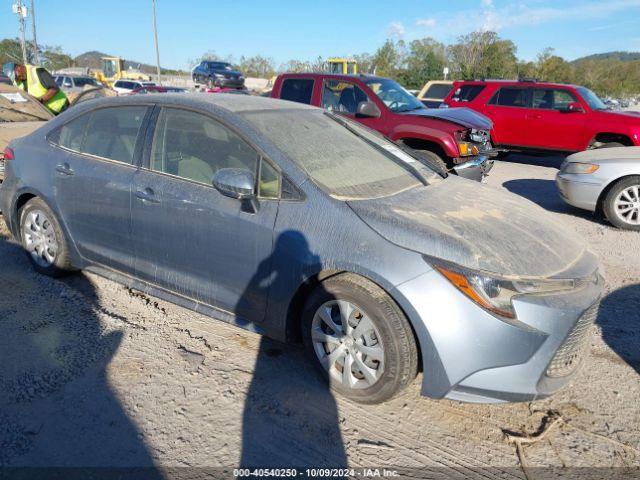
<point x="93" y="374"/>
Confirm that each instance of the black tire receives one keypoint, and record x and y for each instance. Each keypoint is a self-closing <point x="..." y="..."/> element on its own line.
<point x="432" y="159"/>
<point x="61" y="264"/>
<point x="608" y="204"/>
<point x="612" y="145"/>
<point x="395" y="336"/>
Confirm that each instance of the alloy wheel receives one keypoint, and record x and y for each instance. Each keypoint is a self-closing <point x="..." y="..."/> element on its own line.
<point x="348" y="344"/>
<point x="40" y="238"/>
<point x="627" y="205"/>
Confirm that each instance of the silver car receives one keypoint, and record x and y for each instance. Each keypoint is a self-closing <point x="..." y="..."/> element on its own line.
<point x="605" y="180"/>
<point x="296" y="223"/>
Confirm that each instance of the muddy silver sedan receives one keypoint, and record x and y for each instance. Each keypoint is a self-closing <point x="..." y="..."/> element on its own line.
<point x="605" y="180"/>
<point x="297" y="223"/>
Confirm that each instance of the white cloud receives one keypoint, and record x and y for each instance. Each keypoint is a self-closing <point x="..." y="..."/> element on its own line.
<point x="426" y="22"/>
<point x="396" y="29"/>
<point x="487" y="3"/>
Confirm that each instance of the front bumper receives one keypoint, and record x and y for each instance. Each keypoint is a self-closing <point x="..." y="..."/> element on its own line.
<point x="578" y="191"/>
<point x="228" y="82"/>
<point x="475" y="168"/>
<point x="471" y="355"/>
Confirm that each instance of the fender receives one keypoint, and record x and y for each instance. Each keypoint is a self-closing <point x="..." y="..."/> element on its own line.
<point x="428" y="133"/>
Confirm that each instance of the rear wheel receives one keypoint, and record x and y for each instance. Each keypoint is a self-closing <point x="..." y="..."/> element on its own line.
<point x="43" y="240"/>
<point x="622" y="204"/>
<point x="359" y="339"/>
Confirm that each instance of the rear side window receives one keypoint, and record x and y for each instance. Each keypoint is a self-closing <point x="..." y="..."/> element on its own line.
<point x="72" y="134"/>
<point x="108" y="133"/>
<point x="510" y="97"/>
<point x="466" y="93"/>
<point x="297" y="90"/>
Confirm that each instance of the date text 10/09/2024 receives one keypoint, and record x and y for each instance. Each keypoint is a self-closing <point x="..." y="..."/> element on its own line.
<point x="315" y="473"/>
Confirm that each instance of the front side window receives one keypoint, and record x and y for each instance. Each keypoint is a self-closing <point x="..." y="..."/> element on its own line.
<point x="344" y="164"/>
<point x="193" y="146"/>
<point x="551" y="99"/>
<point x="394" y="96"/>
<point x="342" y="97"/>
<point x="297" y="90"/>
<point x="510" y="97"/>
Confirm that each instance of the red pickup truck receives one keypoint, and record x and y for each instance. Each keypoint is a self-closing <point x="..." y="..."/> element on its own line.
<point x="450" y="138"/>
<point x="530" y="115"/>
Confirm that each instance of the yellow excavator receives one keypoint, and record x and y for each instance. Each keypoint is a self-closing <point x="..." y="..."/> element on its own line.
<point x="342" y="66"/>
<point x="113" y="70"/>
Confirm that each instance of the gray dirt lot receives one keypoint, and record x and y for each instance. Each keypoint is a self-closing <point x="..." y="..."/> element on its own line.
<point x="94" y="374"/>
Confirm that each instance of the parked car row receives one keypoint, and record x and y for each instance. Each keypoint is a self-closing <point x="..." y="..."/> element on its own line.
<point x="457" y="140"/>
<point x="298" y="222"/>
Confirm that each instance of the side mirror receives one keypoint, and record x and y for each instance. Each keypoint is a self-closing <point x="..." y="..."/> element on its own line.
<point x="368" y="109"/>
<point x="237" y="183"/>
<point x="574" y="107"/>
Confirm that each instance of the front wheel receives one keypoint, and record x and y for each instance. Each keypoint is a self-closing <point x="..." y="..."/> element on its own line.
<point x="621" y="205"/>
<point x="359" y="339"/>
<point x="43" y="240"/>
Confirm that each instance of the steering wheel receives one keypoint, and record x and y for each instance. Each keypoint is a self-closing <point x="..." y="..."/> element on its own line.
<point x="393" y="105"/>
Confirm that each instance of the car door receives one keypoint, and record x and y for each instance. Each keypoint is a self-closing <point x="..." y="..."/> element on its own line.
<point x="92" y="177"/>
<point x="507" y="108"/>
<point x="188" y="237"/>
<point x="343" y="97"/>
<point x="555" y="126"/>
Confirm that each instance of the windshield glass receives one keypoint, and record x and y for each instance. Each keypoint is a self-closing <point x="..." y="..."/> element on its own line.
<point x="592" y="99"/>
<point x="393" y="95"/>
<point x="219" y="66"/>
<point x="345" y="164"/>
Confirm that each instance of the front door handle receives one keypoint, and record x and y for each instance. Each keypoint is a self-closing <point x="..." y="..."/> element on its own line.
<point x="147" y="195"/>
<point x="64" y="169"/>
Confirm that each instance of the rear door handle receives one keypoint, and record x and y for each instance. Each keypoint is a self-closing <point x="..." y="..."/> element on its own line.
<point x="64" y="169"/>
<point x="147" y="195"/>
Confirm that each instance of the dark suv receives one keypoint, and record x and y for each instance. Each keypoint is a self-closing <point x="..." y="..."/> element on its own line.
<point x="546" y="116"/>
<point x="217" y="74"/>
<point x="456" y="138"/>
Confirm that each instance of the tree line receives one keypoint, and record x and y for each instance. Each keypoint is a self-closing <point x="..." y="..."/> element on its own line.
<point x="473" y="56"/>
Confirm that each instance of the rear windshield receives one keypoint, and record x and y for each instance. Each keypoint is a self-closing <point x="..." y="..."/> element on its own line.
<point x="467" y="93"/>
<point x="346" y="165"/>
<point x="438" y="91"/>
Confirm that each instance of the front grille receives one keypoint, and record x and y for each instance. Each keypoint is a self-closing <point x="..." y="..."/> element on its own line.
<point x="571" y="352"/>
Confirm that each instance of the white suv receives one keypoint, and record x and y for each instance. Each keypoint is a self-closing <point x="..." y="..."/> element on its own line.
<point x="125" y="87"/>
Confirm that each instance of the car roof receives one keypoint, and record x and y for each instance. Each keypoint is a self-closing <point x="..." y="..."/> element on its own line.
<point x="222" y="101"/>
<point x="514" y="83"/>
<point x="337" y="76"/>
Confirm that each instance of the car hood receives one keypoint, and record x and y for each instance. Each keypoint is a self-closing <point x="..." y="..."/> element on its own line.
<point x="474" y="226"/>
<point x="618" y="115"/>
<point x="462" y="116"/>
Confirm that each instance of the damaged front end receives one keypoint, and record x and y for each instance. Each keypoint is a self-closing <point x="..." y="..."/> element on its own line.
<point x="476" y="154"/>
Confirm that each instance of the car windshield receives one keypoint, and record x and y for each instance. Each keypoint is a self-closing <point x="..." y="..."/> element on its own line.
<point x="592" y="99"/>
<point x="394" y="96"/>
<point x="82" y="81"/>
<point x="346" y="160"/>
<point x="219" y="66"/>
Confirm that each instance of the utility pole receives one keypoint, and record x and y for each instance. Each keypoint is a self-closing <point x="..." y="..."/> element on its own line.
<point x="155" y="37"/>
<point x="36" y="57"/>
<point x="21" y="11"/>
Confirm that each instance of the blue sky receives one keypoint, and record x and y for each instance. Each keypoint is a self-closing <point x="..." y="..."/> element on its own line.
<point x="306" y="29"/>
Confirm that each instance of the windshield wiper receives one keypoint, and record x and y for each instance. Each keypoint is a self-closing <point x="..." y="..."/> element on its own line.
<point x="377" y="147"/>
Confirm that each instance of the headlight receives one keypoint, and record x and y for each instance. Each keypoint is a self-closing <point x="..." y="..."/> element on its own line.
<point x="574" y="167"/>
<point x="466" y="149"/>
<point x="495" y="293"/>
